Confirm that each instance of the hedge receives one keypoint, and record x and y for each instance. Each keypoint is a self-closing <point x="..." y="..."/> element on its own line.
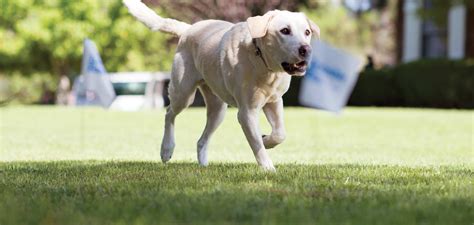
<point x="425" y="83"/>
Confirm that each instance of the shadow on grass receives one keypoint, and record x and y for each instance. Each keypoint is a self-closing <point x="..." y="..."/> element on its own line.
<point x="98" y="192"/>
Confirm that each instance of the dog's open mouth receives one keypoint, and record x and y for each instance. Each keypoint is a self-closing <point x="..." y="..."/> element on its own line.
<point x="295" y="68"/>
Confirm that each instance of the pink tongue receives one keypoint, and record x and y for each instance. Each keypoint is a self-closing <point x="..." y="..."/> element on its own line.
<point x="300" y="64"/>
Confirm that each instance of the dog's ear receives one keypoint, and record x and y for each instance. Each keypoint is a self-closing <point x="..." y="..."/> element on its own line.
<point x="314" y="28"/>
<point x="258" y="25"/>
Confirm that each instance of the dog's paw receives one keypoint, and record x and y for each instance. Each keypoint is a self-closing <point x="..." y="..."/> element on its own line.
<point x="268" y="168"/>
<point x="202" y="159"/>
<point x="166" y="152"/>
<point x="267" y="165"/>
<point x="266" y="142"/>
<point x="270" y="142"/>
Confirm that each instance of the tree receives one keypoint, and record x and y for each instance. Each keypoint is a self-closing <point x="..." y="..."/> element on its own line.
<point x="438" y="10"/>
<point x="230" y="10"/>
<point x="47" y="35"/>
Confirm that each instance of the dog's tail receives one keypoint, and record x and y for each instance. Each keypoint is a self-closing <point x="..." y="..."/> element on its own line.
<point x="153" y="21"/>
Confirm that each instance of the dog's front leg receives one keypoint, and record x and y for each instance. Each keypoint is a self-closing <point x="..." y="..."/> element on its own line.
<point x="274" y="113"/>
<point x="248" y="119"/>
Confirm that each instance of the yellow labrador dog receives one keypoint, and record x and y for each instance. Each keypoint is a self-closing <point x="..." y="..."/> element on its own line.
<point x="247" y="65"/>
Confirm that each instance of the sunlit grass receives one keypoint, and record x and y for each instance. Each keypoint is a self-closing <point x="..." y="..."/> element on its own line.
<point x="411" y="137"/>
<point x="368" y="166"/>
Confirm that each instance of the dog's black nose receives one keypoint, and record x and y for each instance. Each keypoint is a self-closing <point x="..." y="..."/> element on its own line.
<point x="304" y="50"/>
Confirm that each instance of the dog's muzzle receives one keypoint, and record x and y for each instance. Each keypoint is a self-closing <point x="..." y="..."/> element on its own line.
<point x="295" y="68"/>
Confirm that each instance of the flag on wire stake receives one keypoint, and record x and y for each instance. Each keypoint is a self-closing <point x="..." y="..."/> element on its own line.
<point x="330" y="79"/>
<point x="91" y="61"/>
<point x="93" y="87"/>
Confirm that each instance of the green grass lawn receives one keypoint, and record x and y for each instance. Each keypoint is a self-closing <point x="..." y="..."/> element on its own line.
<point x="367" y="166"/>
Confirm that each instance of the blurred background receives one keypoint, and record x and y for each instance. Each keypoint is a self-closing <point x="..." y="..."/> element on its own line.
<point x="417" y="53"/>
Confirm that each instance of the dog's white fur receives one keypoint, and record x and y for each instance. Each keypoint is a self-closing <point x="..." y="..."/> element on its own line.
<point x="220" y="59"/>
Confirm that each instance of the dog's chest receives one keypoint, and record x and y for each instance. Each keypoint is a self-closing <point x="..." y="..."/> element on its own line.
<point x="274" y="86"/>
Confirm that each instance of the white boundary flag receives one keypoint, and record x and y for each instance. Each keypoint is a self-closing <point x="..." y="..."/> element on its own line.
<point x="93" y="87"/>
<point x="330" y="79"/>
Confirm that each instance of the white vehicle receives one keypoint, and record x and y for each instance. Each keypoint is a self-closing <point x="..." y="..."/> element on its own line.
<point x="138" y="90"/>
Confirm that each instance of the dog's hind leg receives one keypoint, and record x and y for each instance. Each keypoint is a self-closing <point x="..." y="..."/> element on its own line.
<point x="215" y="114"/>
<point x="182" y="87"/>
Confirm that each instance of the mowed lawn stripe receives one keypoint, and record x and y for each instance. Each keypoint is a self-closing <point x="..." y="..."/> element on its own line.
<point x="387" y="136"/>
<point x="368" y="166"/>
<point x="96" y="192"/>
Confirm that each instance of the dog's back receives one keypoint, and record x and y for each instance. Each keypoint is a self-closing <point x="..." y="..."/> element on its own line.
<point x="203" y="39"/>
<point x="200" y="41"/>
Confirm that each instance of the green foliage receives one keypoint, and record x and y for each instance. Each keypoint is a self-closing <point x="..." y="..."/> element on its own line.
<point x="425" y="83"/>
<point x="379" y="85"/>
<point x="339" y="27"/>
<point x="28" y="89"/>
<point x="371" y="32"/>
<point x="438" y="12"/>
<point x="438" y="83"/>
<point x="46" y="36"/>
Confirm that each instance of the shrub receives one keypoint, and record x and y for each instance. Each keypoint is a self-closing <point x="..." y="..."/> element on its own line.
<point x="376" y="88"/>
<point x="436" y="83"/>
<point x="290" y="98"/>
<point x="424" y="83"/>
<point x="26" y="89"/>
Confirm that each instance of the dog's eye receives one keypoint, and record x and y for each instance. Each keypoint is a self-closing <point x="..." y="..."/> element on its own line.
<point x="285" y="31"/>
<point x="307" y="32"/>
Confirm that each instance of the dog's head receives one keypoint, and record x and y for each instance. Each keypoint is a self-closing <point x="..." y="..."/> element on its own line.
<point x="285" y="39"/>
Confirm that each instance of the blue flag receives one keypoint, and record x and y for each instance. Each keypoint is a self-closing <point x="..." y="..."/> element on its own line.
<point x="330" y="79"/>
<point x="94" y="86"/>
<point x="91" y="61"/>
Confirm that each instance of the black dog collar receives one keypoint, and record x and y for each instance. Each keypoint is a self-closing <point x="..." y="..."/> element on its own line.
<point x="258" y="52"/>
